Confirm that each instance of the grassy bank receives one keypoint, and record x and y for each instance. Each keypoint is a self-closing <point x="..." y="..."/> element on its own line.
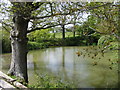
<point x="69" y="41"/>
<point x="45" y="40"/>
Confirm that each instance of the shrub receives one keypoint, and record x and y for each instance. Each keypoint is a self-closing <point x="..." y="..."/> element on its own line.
<point x="6" y="43"/>
<point x="104" y="40"/>
<point x="114" y="45"/>
<point x="35" y="45"/>
<point x="108" y="41"/>
<point x="39" y="36"/>
<point x="6" y="46"/>
<point x="47" y="81"/>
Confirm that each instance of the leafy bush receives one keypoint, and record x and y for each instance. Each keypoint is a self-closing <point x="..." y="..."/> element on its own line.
<point x="104" y="40"/>
<point x="6" y="43"/>
<point x="108" y="41"/>
<point x="39" y="36"/>
<point x="35" y="45"/>
<point x="6" y="46"/>
<point x="114" y="45"/>
<point x="47" y="81"/>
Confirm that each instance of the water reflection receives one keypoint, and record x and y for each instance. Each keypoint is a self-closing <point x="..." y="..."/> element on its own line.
<point x="64" y="63"/>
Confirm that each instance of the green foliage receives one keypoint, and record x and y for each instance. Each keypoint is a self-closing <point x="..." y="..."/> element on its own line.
<point x="35" y="45"/>
<point x="109" y="41"/>
<point x="87" y="27"/>
<point x="18" y="79"/>
<point x="114" y="45"/>
<point x="36" y="40"/>
<point x="6" y="46"/>
<point x="50" y="40"/>
<point x="59" y="34"/>
<point x="47" y="81"/>
<point x="105" y="18"/>
<point x="69" y="41"/>
<point x="104" y="40"/>
<point x="39" y="36"/>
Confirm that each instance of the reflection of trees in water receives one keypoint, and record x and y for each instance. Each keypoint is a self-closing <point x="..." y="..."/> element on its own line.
<point x="63" y="57"/>
<point x="43" y="58"/>
<point x="32" y="62"/>
<point x="36" y="62"/>
<point x="74" y="66"/>
<point x="5" y="61"/>
<point x="71" y="74"/>
<point x="35" y="67"/>
<point x="63" y="64"/>
<point x="70" y="78"/>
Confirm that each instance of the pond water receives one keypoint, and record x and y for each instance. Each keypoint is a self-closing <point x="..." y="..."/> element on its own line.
<point x="63" y="62"/>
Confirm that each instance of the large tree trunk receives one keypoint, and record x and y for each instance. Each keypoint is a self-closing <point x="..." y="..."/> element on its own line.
<point x="19" y="48"/>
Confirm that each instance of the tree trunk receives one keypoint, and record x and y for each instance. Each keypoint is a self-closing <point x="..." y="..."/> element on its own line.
<point x="53" y="33"/>
<point x="63" y="33"/>
<point x="74" y="30"/>
<point x="74" y="33"/>
<point x="19" y="48"/>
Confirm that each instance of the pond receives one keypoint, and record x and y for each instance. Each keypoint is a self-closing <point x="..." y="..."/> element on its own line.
<point x="86" y="70"/>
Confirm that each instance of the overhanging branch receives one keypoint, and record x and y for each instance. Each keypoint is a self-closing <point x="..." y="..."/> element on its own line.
<point x="97" y="31"/>
<point x="71" y="11"/>
<point x="35" y="6"/>
<point x="39" y="28"/>
<point x="56" y="14"/>
<point x="6" y="29"/>
<point x="115" y="35"/>
<point x="7" y="25"/>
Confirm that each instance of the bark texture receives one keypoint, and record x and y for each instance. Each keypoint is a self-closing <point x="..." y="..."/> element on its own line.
<point x="19" y="48"/>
